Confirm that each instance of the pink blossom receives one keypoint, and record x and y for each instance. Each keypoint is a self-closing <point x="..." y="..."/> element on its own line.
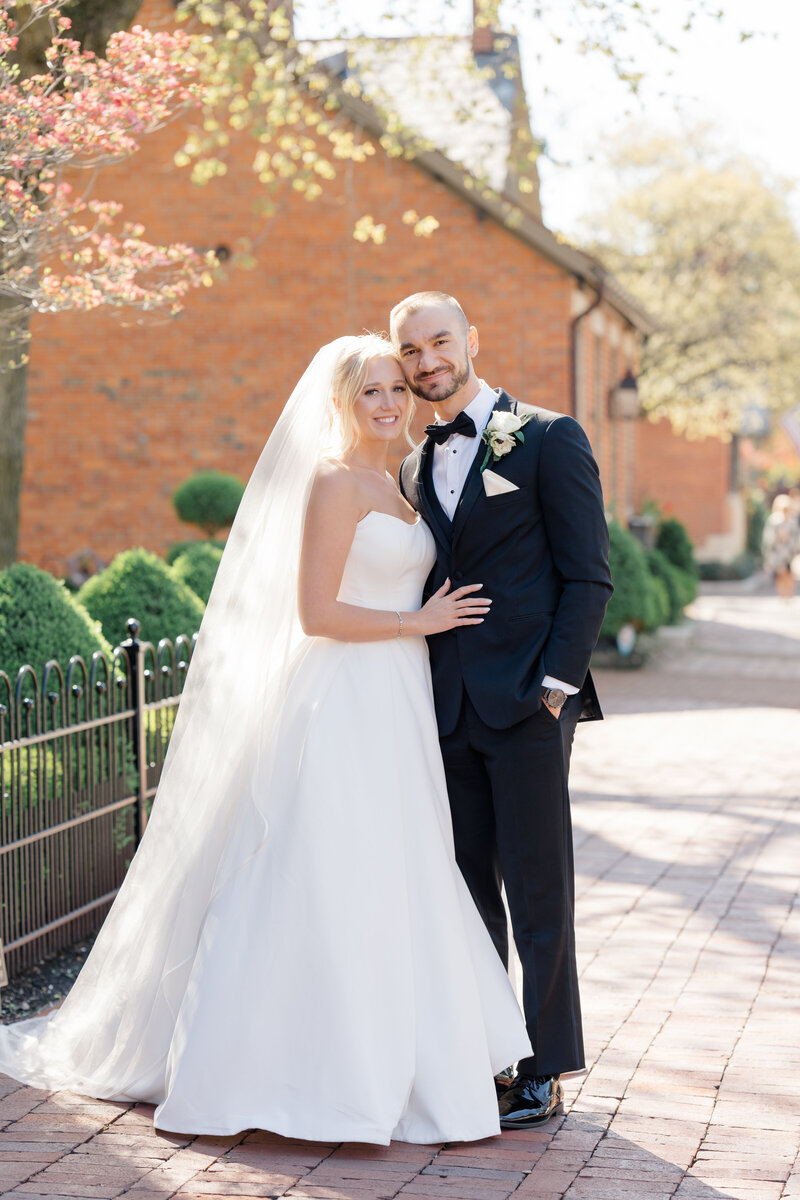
<point x="82" y="112"/>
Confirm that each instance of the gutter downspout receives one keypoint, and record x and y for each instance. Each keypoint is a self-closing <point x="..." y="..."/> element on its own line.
<point x="573" y="346"/>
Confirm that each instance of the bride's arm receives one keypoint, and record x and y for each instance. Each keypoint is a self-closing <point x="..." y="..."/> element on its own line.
<point x="333" y="513"/>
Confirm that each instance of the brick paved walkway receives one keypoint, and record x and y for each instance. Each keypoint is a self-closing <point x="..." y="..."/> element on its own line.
<point x="688" y="845"/>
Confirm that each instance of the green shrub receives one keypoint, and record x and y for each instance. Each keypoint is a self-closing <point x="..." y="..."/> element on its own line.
<point x="741" y="567"/>
<point x="687" y="585"/>
<point x="674" y="542"/>
<point x="209" y="499"/>
<point x="657" y="605"/>
<point x="757" y="513"/>
<point x="197" y="568"/>
<point x="40" y="620"/>
<point x="634" y="601"/>
<point x="177" y="548"/>
<point x="662" y="569"/>
<point x="139" y="584"/>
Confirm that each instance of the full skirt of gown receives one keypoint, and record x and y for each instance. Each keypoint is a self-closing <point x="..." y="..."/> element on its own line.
<point x="342" y="986"/>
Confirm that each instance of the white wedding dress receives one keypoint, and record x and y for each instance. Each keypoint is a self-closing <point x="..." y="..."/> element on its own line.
<point x="341" y="985"/>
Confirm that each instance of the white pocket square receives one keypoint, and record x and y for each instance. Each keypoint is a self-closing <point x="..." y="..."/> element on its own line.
<point x="495" y="485"/>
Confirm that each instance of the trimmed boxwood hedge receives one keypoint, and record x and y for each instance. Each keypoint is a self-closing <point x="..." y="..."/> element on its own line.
<point x="668" y="576"/>
<point x="657" y="606"/>
<point x="674" y="542"/>
<point x="197" y="568"/>
<point x="140" y="584"/>
<point x="687" y="585"/>
<point x="635" y="600"/>
<point x="40" y="620"/>
<point x="741" y="567"/>
<point x="209" y="499"/>
<point x="177" y="548"/>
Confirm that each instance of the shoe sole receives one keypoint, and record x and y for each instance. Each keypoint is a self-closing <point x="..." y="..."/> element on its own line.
<point x="531" y="1122"/>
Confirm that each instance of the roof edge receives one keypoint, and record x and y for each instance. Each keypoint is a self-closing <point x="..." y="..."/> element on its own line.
<point x="513" y="218"/>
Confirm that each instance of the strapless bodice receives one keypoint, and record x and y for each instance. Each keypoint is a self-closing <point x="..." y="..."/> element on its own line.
<point x="388" y="563"/>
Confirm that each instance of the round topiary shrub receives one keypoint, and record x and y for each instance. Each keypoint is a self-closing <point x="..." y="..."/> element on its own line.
<point x="177" y="548"/>
<point x="40" y="620"/>
<point x="140" y="584"/>
<point x="197" y="568"/>
<point x="633" y="600"/>
<point x="209" y="499"/>
<point x="662" y="569"/>
<point x="687" y="585"/>
<point x="674" y="542"/>
<point x="657" y="606"/>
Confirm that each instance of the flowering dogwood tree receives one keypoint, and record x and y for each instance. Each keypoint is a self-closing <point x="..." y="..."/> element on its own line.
<point x="59" y="248"/>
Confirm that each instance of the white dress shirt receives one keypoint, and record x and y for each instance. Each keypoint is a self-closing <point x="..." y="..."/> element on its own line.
<point x="453" y="459"/>
<point x="451" y="463"/>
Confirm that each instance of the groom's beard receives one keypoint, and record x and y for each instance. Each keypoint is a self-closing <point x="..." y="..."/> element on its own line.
<point x="443" y="389"/>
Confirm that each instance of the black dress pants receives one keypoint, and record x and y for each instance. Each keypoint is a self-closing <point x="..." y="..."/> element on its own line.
<point x="511" y="822"/>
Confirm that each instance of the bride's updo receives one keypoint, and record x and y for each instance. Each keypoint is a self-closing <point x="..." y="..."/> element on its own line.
<point x="350" y="376"/>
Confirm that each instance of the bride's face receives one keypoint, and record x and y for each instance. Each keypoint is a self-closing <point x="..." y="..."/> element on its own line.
<point x="382" y="405"/>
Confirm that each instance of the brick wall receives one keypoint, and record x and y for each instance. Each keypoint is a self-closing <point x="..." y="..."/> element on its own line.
<point x="690" y="481"/>
<point x="120" y="413"/>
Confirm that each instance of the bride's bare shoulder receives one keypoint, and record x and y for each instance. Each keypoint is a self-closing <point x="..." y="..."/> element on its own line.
<point x="333" y="476"/>
<point x="335" y="485"/>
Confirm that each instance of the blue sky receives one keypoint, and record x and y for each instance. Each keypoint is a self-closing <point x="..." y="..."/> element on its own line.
<point x="750" y="90"/>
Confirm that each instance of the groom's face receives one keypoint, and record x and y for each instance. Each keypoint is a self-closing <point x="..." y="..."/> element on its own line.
<point x="436" y="351"/>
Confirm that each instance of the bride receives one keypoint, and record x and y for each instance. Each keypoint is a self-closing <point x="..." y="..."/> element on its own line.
<point x="293" y="947"/>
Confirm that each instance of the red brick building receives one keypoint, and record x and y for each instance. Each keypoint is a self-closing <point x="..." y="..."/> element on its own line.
<point x="120" y="415"/>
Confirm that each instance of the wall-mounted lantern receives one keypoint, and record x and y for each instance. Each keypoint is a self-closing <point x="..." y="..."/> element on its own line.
<point x="624" y="399"/>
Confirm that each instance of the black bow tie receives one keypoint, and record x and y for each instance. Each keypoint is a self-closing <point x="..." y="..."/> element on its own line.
<point x="463" y="424"/>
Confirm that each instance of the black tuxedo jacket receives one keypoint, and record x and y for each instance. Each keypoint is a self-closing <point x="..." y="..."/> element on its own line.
<point x="541" y="553"/>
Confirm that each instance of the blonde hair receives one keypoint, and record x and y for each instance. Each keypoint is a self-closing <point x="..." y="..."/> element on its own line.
<point x="349" y="379"/>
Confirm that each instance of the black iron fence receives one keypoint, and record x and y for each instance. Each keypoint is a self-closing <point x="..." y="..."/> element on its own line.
<point x="81" y="753"/>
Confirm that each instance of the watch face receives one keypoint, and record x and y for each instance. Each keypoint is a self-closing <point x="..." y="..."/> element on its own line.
<point x="556" y="698"/>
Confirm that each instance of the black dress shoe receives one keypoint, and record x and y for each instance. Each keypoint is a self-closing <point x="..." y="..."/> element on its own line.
<point x="530" y="1101"/>
<point x="503" y="1081"/>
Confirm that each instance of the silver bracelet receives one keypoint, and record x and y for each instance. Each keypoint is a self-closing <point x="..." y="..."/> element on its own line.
<point x="400" y="619"/>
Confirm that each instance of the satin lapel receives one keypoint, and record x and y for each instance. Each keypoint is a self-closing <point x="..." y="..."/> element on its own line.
<point x="473" y="485"/>
<point x="429" y="505"/>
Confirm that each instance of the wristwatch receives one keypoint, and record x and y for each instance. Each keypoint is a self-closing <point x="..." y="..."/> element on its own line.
<point x="555" y="697"/>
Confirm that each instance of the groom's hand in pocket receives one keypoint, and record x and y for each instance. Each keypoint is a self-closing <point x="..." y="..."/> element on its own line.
<point x="556" y="712"/>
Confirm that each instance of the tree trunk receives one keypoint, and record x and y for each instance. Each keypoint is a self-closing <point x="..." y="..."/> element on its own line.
<point x="13" y="409"/>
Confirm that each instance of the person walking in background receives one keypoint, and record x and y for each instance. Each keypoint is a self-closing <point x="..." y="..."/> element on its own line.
<point x="781" y="544"/>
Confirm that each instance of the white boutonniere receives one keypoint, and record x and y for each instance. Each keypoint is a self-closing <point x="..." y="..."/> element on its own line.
<point x="502" y="434"/>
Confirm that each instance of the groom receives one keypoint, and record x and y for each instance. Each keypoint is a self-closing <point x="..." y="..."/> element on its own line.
<point x="512" y="496"/>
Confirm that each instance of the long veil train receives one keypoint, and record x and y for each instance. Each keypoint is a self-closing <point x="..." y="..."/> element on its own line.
<point x="111" y="1037"/>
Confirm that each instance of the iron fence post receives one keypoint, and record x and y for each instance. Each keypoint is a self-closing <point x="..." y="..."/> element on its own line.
<point x="133" y="649"/>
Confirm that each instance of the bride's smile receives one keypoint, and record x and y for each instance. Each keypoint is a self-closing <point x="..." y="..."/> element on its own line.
<point x="381" y="407"/>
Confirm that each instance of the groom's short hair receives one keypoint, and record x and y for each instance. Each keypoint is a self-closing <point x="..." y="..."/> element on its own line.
<point x="419" y="300"/>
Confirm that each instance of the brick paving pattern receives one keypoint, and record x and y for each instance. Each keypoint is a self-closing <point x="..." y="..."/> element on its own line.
<point x="688" y="844"/>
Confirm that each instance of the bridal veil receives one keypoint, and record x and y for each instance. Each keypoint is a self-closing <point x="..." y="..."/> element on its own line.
<point x="111" y="1037"/>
